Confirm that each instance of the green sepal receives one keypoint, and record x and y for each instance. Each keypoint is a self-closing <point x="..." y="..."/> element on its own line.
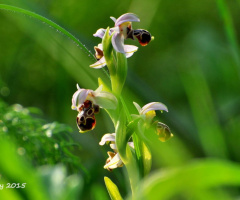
<point x="146" y="158"/>
<point x="112" y="189"/>
<point x="143" y="153"/>
<point x="108" y="52"/>
<point x="131" y="127"/>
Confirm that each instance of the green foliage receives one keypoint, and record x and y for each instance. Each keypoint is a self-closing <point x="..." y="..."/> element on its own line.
<point x="190" y="181"/>
<point x="40" y="142"/>
<point x="112" y="189"/>
<point x="20" y="180"/>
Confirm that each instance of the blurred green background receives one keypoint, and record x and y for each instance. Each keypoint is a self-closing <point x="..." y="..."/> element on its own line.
<point x="192" y="66"/>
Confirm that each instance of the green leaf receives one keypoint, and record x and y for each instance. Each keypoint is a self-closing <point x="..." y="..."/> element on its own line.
<point x="146" y="158"/>
<point x="189" y="180"/>
<point x="121" y="71"/>
<point x="112" y="189"/>
<point x="15" y="169"/>
<point x="47" y="21"/>
<point x="121" y="139"/>
<point x="108" y="52"/>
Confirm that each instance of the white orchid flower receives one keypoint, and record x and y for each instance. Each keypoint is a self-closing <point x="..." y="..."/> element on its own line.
<point x="98" y="97"/>
<point x="148" y="111"/>
<point x="120" y="31"/>
<point x="114" y="159"/>
<point x="128" y="49"/>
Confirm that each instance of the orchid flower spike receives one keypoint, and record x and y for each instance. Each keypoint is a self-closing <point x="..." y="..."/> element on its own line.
<point x="114" y="159"/>
<point x="128" y="49"/>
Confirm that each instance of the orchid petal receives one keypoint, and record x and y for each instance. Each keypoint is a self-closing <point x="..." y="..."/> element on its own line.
<point x="107" y="138"/>
<point x="153" y="106"/>
<point x="137" y="106"/>
<point x="117" y="42"/>
<point x="114" y="162"/>
<point x="82" y="96"/>
<point x="129" y="50"/>
<point x="74" y="99"/>
<point x="106" y="100"/>
<point x="78" y="87"/>
<point x="114" y="29"/>
<point x="100" y="46"/>
<point x="99" y="64"/>
<point x="131" y="144"/>
<point x="128" y="17"/>
<point x="113" y="146"/>
<point x="100" y="33"/>
<point x="79" y="97"/>
<point x="113" y="18"/>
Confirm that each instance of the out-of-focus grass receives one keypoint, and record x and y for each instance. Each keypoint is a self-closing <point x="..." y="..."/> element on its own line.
<point x="192" y="66"/>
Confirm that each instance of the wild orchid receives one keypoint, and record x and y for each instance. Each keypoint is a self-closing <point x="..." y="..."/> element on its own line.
<point x="147" y="113"/>
<point x="114" y="159"/>
<point x="87" y="103"/>
<point x="128" y="142"/>
<point x="123" y="30"/>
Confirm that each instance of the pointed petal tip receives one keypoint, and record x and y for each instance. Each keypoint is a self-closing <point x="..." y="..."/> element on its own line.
<point x="100" y="33"/>
<point x="128" y="17"/>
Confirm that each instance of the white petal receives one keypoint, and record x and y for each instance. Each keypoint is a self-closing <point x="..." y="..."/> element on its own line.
<point x="100" y="33"/>
<point x="107" y="138"/>
<point x="114" y="29"/>
<point x="114" y="163"/>
<point x="153" y="106"/>
<point x="100" y="46"/>
<point x="137" y="106"/>
<point x="106" y="100"/>
<point x="79" y="97"/>
<point x="117" y="42"/>
<point x="129" y="50"/>
<point x="114" y="19"/>
<point x="128" y="17"/>
<point x="131" y="144"/>
<point x="78" y="87"/>
<point x="113" y="146"/>
<point x="74" y="100"/>
<point x="99" y="64"/>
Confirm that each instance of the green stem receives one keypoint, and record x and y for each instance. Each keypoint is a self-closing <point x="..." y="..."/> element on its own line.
<point x="230" y="30"/>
